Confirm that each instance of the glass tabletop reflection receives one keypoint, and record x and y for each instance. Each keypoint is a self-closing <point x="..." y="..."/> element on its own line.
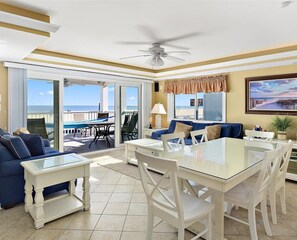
<point x="222" y="158"/>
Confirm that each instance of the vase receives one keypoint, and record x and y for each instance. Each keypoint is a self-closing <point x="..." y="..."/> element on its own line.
<point x="282" y="135"/>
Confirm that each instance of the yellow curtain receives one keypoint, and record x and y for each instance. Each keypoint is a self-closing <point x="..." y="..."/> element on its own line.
<point x="206" y="84"/>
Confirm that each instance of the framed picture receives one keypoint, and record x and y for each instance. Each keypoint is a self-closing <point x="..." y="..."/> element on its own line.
<point x="276" y="94"/>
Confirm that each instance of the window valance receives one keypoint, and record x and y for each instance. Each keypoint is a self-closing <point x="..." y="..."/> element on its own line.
<point x="206" y="84"/>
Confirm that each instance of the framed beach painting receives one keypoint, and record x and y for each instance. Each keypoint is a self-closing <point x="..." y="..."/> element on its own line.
<point x="276" y="94"/>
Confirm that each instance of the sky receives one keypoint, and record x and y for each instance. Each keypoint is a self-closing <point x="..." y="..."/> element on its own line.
<point x="274" y="88"/>
<point x="184" y="99"/>
<point x="40" y="92"/>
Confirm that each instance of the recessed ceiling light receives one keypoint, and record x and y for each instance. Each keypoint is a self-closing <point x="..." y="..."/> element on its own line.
<point x="285" y="4"/>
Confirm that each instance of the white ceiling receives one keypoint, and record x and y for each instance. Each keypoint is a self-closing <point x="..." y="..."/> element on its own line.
<point x="219" y="28"/>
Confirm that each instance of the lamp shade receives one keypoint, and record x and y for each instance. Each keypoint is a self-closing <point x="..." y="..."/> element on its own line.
<point x="158" y="109"/>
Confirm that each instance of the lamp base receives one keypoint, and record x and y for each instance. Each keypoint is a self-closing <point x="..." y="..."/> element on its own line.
<point x="158" y="121"/>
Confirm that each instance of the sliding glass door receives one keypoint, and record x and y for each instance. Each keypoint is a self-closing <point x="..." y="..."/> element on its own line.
<point x="43" y="109"/>
<point x="128" y="109"/>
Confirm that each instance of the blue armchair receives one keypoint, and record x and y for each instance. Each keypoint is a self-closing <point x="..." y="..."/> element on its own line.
<point x="12" y="176"/>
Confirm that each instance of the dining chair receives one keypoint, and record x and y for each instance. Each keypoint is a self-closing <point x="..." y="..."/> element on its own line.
<point x="172" y="205"/>
<point x="194" y="188"/>
<point x="259" y="135"/>
<point x="277" y="182"/>
<point x="250" y="194"/>
<point x="177" y="138"/>
<point x="202" y="133"/>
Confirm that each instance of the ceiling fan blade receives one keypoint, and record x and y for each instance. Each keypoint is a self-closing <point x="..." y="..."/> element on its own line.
<point x="133" y="43"/>
<point x="147" y="62"/>
<point x="175" y="59"/>
<point x="144" y="51"/>
<point x="179" y="52"/>
<point x="146" y="55"/>
<point x="179" y="37"/>
<point x="149" y="33"/>
<point x="174" y="46"/>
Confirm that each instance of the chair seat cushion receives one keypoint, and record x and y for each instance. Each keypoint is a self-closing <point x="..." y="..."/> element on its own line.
<point x="34" y="143"/>
<point x="16" y="146"/>
<point x="180" y="127"/>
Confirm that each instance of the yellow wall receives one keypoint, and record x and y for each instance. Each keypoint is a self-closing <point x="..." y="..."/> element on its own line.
<point x="236" y="99"/>
<point x="4" y="97"/>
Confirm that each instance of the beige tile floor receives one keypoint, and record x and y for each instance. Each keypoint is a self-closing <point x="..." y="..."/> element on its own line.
<point x="118" y="211"/>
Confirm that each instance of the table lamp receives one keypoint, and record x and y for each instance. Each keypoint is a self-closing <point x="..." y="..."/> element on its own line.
<point x="158" y="109"/>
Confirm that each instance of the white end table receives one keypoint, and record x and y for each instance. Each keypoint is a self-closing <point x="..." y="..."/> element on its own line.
<point x="49" y="171"/>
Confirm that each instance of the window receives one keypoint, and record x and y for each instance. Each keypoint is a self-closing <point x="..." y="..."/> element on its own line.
<point x="200" y="106"/>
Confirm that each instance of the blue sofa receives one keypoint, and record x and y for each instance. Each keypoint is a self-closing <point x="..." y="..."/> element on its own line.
<point x="12" y="175"/>
<point x="233" y="130"/>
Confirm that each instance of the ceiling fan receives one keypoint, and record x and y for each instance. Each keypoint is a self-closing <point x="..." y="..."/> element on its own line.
<point x="156" y="55"/>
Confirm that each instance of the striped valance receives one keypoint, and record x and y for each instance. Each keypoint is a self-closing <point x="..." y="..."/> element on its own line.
<point x="206" y="84"/>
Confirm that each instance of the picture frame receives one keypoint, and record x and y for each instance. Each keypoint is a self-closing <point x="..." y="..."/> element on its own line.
<point x="274" y="94"/>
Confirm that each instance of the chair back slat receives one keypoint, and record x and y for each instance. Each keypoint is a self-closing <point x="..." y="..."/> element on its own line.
<point x="196" y="133"/>
<point x="166" y="138"/>
<point x="256" y="135"/>
<point x="154" y="193"/>
<point x="285" y="159"/>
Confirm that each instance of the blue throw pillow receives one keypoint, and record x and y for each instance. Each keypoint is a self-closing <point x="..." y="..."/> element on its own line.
<point x="2" y="132"/>
<point x="34" y="142"/>
<point x="226" y="131"/>
<point x="16" y="146"/>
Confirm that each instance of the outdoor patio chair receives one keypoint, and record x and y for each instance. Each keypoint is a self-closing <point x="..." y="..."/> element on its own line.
<point x="129" y="129"/>
<point x="37" y="125"/>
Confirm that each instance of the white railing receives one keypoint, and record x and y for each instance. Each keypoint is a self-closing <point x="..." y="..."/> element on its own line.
<point x="68" y="116"/>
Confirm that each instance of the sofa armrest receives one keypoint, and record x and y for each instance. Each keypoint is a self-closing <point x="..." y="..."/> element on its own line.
<point x="46" y="142"/>
<point x="157" y="134"/>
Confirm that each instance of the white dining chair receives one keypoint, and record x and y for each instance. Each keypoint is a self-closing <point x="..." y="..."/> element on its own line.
<point x="177" y="136"/>
<point x="259" y="135"/>
<point x="202" y="132"/>
<point x="250" y="194"/>
<point x="277" y="182"/>
<point x="194" y="188"/>
<point x="173" y="206"/>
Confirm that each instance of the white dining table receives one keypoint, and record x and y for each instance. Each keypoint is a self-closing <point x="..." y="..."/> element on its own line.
<point x="220" y="165"/>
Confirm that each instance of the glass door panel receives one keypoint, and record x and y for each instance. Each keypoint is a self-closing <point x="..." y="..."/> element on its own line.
<point x="129" y="113"/>
<point x="43" y="109"/>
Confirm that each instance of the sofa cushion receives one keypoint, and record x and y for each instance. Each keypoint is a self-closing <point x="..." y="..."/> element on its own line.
<point x="213" y="132"/>
<point x="5" y="154"/>
<point x="16" y="146"/>
<point x="226" y="130"/>
<point x="180" y="127"/>
<point x="2" y="132"/>
<point x="34" y="143"/>
<point x="173" y="123"/>
<point x="199" y="126"/>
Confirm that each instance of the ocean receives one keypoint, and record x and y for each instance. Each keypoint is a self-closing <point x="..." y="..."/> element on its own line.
<point x="70" y="108"/>
<point x="82" y="108"/>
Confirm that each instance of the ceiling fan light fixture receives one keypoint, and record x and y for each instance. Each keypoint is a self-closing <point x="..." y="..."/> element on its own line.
<point x="156" y="61"/>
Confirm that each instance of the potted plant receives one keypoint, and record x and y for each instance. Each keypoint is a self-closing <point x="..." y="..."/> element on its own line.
<point x="281" y="124"/>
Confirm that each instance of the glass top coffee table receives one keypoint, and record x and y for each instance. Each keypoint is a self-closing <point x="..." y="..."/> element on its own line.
<point x="49" y="171"/>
